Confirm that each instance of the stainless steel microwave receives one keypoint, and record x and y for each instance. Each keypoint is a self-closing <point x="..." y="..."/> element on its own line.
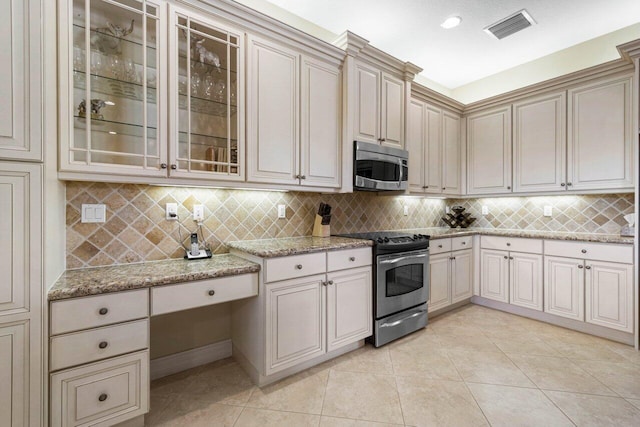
<point x="378" y="168"/>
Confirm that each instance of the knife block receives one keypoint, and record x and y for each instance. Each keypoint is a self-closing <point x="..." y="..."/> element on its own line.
<point x="320" y="230"/>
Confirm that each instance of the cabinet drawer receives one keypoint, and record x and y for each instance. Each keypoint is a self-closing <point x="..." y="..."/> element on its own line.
<point x="103" y="393"/>
<point x="100" y="310"/>
<point x="349" y="258"/>
<point x="459" y="243"/>
<point x="290" y="267"/>
<point x="167" y="299"/>
<point x="591" y="251"/>
<point x="516" y="244"/>
<point x="95" y="344"/>
<point x="439" y="245"/>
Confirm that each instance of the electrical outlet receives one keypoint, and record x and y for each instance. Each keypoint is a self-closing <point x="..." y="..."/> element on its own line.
<point x="282" y="211"/>
<point x="94" y="213"/>
<point x="447" y="209"/>
<point x="548" y="210"/>
<point x="171" y="211"/>
<point x="406" y="210"/>
<point x="485" y="210"/>
<point x="198" y="212"/>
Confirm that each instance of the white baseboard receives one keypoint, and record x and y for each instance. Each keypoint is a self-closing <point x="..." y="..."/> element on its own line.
<point x="163" y="366"/>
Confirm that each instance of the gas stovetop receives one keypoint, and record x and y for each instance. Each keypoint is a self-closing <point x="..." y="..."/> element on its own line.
<point x="393" y="241"/>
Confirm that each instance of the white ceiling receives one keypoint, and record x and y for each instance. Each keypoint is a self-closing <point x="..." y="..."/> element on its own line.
<point x="410" y="30"/>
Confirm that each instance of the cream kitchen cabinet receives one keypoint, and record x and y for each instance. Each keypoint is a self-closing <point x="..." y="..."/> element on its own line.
<point x="293" y="123"/>
<point x="379" y="115"/>
<point x="511" y="271"/>
<point x="310" y="307"/>
<point x="20" y="81"/>
<point x="539" y="144"/>
<point x="433" y="141"/>
<point x="99" y="361"/>
<point x="489" y="151"/>
<point x="121" y="85"/>
<point x="590" y="282"/>
<point x="21" y="309"/>
<point x="450" y="272"/>
<point x="600" y="135"/>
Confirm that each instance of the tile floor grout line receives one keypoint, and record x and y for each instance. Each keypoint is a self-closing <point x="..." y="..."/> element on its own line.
<point x="324" y="394"/>
<point x="395" y="381"/>
<point x="559" y="408"/>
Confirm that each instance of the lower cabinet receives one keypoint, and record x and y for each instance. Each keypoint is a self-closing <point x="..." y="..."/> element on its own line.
<point x="564" y="287"/>
<point x="494" y="279"/>
<point x="14" y="373"/>
<point x="525" y="280"/>
<point x="450" y="278"/>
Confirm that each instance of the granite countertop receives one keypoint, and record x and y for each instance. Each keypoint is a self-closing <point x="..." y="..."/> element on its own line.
<point x="442" y="232"/>
<point x="99" y="280"/>
<point x="270" y="248"/>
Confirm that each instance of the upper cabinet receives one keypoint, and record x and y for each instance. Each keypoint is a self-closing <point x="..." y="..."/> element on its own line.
<point x="20" y="83"/>
<point x="293" y="124"/>
<point x="379" y="115"/>
<point x="539" y="144"/>
<point x="117" y="91"/>
<point x="489" y="151"/>
<point x="433" y="142"/>
<point x="599" y="140"/>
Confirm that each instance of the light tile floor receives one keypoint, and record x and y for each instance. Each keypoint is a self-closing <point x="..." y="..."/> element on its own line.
<point x="471" y="367"/>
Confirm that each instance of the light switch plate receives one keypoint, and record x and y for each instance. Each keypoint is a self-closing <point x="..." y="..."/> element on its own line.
<point x="198" y="212"/>
<point x="282" y="211"/>
<point x="405" y="210"/>
<point x="94" y="213"/>
<point x="485" y="210"/>
<point x="548" y="210"/>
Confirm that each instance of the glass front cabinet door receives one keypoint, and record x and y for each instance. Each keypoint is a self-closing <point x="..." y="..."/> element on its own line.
<point x="205" y="87"/>
<point x="148" y="90"/>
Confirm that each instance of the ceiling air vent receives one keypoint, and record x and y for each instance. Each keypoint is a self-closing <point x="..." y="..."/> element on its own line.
<point x="510" y="25"/>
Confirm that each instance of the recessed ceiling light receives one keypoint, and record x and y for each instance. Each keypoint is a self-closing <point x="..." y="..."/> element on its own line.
<point x="450" y="22"/>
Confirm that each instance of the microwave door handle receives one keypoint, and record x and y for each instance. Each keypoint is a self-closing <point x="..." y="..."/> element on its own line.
<point x="401" y="173"/>
<point x="396" y="260"/>
<point x="397" y="322"/>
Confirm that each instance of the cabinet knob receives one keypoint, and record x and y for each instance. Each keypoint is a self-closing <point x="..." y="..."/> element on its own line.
<point x="426" y="186"/>
<point x="324" y="283"/>
<point x="381" y="139"/>
<point x="163" y="165"/>
<point x="563" y="184"/>
<point x="453" y="258"/>
<point x="352" y="258"/>
<point x="174" y="167"/>
<point x="297" y="176"/>
<point x="103" y="344"/>
<point x="508" y="244"/>
<point x="579" y="265"/>
<point x="440" y="246"/>
<point x="584" y="251"/>
<point x="211" y="293"/>
<point x="569" y="184"/>
<point x="444" y="188"/>
<point x="464" y="243"/>
<point x="450" y="257"/>
<point x="103" y="311"/>
<point x="506" y="257"/>
<point x="588" y="267"/>
<point x="299" y="266"/>
<point x="509" y="188"/>
<point x="510" y="257"/>
<point x="103" y="397"/>
<point x="330" y="282"/>
<point x="303" y="177"/>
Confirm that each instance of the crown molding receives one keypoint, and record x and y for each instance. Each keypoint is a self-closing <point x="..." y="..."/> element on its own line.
<point x="351" y="43"/>
<point x="410" y="71"/>
<point x="431" y="96"/>
<point x="630" y="50"/>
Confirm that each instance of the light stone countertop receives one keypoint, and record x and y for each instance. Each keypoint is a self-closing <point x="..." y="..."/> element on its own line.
<point x="271" y="248"/>
<point x="99" y="280"/>
<point x="443" y="232"/>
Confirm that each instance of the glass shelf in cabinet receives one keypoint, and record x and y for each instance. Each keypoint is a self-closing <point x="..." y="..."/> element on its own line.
<point x="93" y="32"/>
<point x="114" y="87"/>
<point x="212" y="140"/>
<point x="206" y="106"/>
<point x="221" y="71"/>
<point x="114" y="128"/>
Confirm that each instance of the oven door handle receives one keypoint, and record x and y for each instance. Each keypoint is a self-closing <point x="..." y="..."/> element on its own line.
<point x="397" y="322"/>
<point x="402" y="258"/>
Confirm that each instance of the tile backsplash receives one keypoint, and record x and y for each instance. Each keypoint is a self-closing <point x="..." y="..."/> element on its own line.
<point x="136" y="229"/>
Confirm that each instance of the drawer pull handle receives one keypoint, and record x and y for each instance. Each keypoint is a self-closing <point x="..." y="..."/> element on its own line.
<point x="584" y="251"/>
<point x="103" y="344"/>
<point x="579" y="266"/>
<point x="103" y="397"/>
<point x="352" y="258"/>
<point x="103" y="311"/>
<point x="211" y="293"/>
<point x="299" y="266"/>
<point x="588" y="267"/>
<point x="508" y="244"/>
<point x="440" y="246"/>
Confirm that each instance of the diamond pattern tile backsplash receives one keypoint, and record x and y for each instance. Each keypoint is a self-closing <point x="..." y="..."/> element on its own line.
<point x="136" y="229"/>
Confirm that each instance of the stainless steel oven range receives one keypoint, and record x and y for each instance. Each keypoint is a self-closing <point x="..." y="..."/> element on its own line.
<point x="400" y="283"/>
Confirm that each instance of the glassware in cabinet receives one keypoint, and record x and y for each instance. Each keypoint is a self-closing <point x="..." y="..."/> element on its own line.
<point x="113" y="104"/>
<point x="206" y="112"/>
